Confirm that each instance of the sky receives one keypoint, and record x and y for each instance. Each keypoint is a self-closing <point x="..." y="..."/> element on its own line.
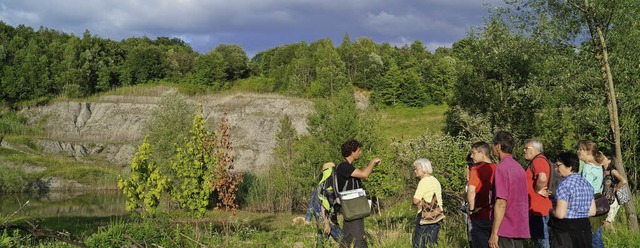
<point x="256" y="25"/>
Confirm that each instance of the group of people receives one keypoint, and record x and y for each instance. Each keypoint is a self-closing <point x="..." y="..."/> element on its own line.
<point x="553" y="204"/>
<point x="507" y="204"/>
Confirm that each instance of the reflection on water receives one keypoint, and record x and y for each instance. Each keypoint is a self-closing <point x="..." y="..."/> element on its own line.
<point x="65" y="203"/>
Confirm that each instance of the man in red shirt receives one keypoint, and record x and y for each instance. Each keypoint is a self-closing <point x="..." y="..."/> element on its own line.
<point x="539" y="202"/>
<point x="479" y="194"/>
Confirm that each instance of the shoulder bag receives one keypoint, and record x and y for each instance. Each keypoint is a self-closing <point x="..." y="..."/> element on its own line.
<point x="623" y="194"/>
<point x="602" y="204"/>
<point x="353" y="203"/>
<point x="431" y="213"/>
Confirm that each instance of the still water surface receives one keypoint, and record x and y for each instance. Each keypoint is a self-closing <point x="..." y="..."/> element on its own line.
<point x="64" y="204"/>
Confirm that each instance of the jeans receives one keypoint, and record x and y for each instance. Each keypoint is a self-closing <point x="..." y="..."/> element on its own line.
<point x="539" y="230"/>
<point x="425" y="234"/>
<point x="480" y="233"/>
<point x="597" y="240"/>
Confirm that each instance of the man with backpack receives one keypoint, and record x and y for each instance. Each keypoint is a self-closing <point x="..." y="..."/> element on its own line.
<point x="539" y="172"/>
<point x="349" y="176"/>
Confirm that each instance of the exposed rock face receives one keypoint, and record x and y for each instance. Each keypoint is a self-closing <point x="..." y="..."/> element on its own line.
<point x="111" y="126"/>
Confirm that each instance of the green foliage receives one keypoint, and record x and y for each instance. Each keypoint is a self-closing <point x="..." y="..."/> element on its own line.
<point x="167" y="127"/>
<point x="143" y="64"/>
<point x="193" y="167"/>
<point x="142" y="231"/>
<point x="280" y="187"/>
<point x="236" y="62"/>
<point x="210" y="70"/>
<point x="12" y="123"/>
<point x="448" y="158"/>
<point x="12" y="180"/>
<point x="144" y="187"/>
<point x="254" y="84"/>
<point x="401" y="123"/>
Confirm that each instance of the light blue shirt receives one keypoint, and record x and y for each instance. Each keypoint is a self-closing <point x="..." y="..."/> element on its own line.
<point x="594" y="175"/>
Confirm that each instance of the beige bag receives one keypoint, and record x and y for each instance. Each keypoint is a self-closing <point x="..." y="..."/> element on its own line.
<point x="431" y="212"/>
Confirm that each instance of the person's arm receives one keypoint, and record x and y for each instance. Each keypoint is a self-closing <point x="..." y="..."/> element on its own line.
<point x="498" y="214"/>
<point x="621" y="180"/>
<point x="592" y="208"/>
<point x="364" y="173"/>
<point x="561" y="209"/>
<point x="416" y="202"/>
<point x="327" y="225"/>
<point x="541" y="184"/>
<point x="471" y="198"/>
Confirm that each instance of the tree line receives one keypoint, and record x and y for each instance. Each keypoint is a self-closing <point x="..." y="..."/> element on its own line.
<point x="38" y="65"/>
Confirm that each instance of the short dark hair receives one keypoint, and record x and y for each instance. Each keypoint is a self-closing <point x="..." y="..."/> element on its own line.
<point x="482" y="147"/>
<point x="349" y="147"/>
<point x="469" y="160"/>
<point x="570" y="160"/>
<point x="505" y="139"/>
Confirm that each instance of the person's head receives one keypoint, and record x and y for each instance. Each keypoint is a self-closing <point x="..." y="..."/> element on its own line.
<point x="588" y="152"/>
<point x="503" y="142"/>
<point x="327" y="165"/>
<point x="532" y="148"/>
<point x="609" y="162"/>
<point x="480" y="152"/>
<point x="422" y="167"/>
<point x="567" y="163"/>
<point x="469" y="160"/>
<point x="351" y="148"/>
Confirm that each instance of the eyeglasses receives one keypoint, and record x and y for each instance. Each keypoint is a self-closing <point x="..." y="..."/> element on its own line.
<point x="528" y="147"/>
<point x="558" y="164"/>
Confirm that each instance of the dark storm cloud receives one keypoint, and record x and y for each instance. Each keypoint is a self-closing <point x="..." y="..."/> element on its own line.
<point x="256" y="25"/>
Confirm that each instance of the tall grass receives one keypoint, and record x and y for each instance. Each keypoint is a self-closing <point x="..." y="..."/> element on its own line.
<point x="12" y="123"/>
<point x="402" y="123"/>
<point x="12" y="180"/>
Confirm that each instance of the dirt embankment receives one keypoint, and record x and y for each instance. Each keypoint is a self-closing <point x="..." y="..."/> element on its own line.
<point x="110" y="126"/>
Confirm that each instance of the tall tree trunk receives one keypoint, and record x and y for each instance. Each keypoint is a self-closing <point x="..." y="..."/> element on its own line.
<point x="614" y="122"/>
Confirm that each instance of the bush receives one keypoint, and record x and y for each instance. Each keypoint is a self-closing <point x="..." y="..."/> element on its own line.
<point x="255" y="84"/>
<point x="448" y="158"/>
<point x="12" y="180"/>
<point x="12" y="123"/>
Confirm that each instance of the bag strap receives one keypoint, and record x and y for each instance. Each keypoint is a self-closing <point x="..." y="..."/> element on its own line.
<point x="432" y="204"/>
<point x="533" y="168"/>
<point x="335" y="179"/>
<point x="344" y="188"/>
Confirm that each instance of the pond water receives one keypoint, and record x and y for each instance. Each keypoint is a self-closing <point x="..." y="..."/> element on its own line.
<point x="64" y="204"/>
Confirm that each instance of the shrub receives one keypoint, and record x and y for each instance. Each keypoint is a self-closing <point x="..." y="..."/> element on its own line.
<point x="12" y="123"/>
<point x="12" y="180"/>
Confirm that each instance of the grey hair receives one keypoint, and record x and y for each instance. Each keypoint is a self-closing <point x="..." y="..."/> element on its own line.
<point x="535" y="143"/>
<point x="424" y="164"/>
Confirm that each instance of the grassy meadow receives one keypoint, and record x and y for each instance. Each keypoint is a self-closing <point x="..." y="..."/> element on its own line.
<point x="401" y="123"/>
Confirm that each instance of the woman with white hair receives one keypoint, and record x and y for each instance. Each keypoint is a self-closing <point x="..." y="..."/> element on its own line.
<point x="428" y="187"/>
